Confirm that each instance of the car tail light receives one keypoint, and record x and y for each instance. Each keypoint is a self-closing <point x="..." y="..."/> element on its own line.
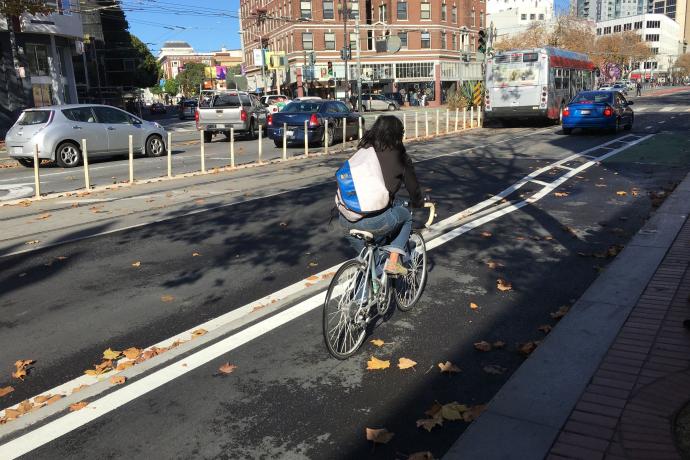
<point x="243" y="115"/>
<point x="608" y="111"/>
<point x="566" y="112"/>
<point x="313" y="120"/>
<point x="269" y="120"/>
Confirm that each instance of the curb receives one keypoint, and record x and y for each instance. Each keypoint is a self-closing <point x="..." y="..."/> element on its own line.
<point x="523" y="420"/>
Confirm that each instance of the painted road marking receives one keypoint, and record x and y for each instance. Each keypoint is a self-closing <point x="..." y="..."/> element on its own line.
<point x="666" y="109"/>
<point x="71" y="421"/>
<point x="661" y="122"/>
<point x="640" y="109"/>
<point x="540" y="182"/>
<point x="648" y="127"/>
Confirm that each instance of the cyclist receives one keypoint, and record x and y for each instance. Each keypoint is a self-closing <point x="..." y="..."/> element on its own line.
<point x="395" y="221"/>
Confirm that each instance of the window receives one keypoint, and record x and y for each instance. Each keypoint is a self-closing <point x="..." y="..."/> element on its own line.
<point x="599" y="31"/>
<point x="443" y="40"/>
<point x="607" y="30"/>
<point x="454" y="42"/>
<point x="650" y="65"/>
<point x="382" y="13"/>
<point x="443" y="11"/>
<point x="532" y="17"/>
<point x="651" y="38"/>
<point x="329" y="40"/>
<point x="481" y="19"/>
<point x="111" y="116"/>
<point x="541" y="16"/>
<point x="403" y="39"/>
<point x="402" y="10"/>
<point x="523" y="17"/>
<point x="473" y="22"/>
<point x="42" y="94"/>
<point x="37" y="55"/>
<point x="425" y="10"/>
<point x="354" y="9"/>
<point x="655" y="50"/>
<point x="627" y="26"/>
<point x="305" y="9"/>
<point x="638" y="25"/>
<point x="617" y="28"/>
<point x="653" y="24"/>
<point x="81" y="114"/>
<point x="353" y="41"/>
<point x="454" y="14"/>
<point x="328" y="9"/>
<point x="426" y="40"/>
<point x="307" y="41"/>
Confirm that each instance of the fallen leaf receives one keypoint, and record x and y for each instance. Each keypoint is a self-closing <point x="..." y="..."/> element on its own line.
<point x="560" y="313"/>
<point x="473" y="306"/>
<point x="473" y="412"/>
<point x="379" y="436"/>
<point x="405" y="363"/>
<point x="377" y="364"/>
<point x="132" y="353"/>
<point x="528" y="347"/>
<point x="43" y="216"/>
<point x="136" y="264"/>
<point x="378" y="342"/>
<point x="195" y="254"/>
<point x="621" y="193"/>
<point x="421" y="455"/>
<point x="78" y="406"/>
<point x="24" y="406"/>
<point x="429" y="423"/>
<point x="111" y="354"/>
<point x="124" y="365"/>
<point x="313" y="278"/>
<point x="118" y="379"/>
<point x="79" y="388"/>
<point x="12" y="414"/>
<point x="283" y="224"/>
<point x="42" y="399"/>
<point x="453" y="411"/>
<point x="32" y="242"/>
<point x="434" y="410"/>
<point x="545" y="328"/>
<point x="614" y="250"/>
<point x="499" y="344"/>
<point x="199" y="201"/>
<point x="486" y="234"/>
<point x="54" y="398"/>
<point x="199" y="332"/>
<point x="313" y="264"/>
<point x="227" y="368"/>
<point x="493" y="264"/>
<point x="22" y="368"/>
<point x="561" y="194"/>
<point x="449" y="367"/>
<point x="61" y="257"/>
<point x="167" y="298"/>
<point x="494" y="369"/>
<point x="503" y="285"/>
<point x="5" y="391"/>
<point x="482" y="346"/>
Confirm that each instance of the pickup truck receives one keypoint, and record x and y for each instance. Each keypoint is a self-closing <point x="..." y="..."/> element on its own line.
<point x="222" y="110"/>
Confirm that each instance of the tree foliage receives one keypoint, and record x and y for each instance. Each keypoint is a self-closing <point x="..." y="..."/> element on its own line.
<point x="191" y="78"/>
<point x="9" y="8"/>
<point x="683" y="64"/>
<point x="147" y="71"/>
<point x="172" y="87"/>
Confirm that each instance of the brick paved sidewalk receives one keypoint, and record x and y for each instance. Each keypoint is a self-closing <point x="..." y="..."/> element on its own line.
<point x="628" y="407"/>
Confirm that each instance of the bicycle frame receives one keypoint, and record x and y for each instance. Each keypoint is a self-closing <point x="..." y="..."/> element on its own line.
<point x="367" y="256"/>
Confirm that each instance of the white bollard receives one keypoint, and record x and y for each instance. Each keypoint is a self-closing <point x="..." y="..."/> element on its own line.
<point x="284" y="141"/>
<point x="325" y="138"/>
<point x="85" y="158"/>
<point x="438" y="128"/>
<point x="426" y="124"/>
<point x="169" y="154"/>
<point x="261" y="143"/>
<point x="479" y="116"/>
<point x="464" y="118"/>
<point x="37" y="179"/>
<point x="456" y="118"/>
<point x="131" y="160"/>
<point x="447" y="120"/>
<point x="232" y="147"/>
<point x="472" y="117"/>
<point x="344" y="133"/>
<point x="404" y="126"/>
<point x="306" y="138"/>
<point x="359" y="120"/>
<point x="203" y="153"/>
<point x="416" y="125"/>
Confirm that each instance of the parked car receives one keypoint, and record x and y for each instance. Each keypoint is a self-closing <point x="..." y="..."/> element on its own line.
<point x="187" y="108"/>
<point x="231" y="109"/>
<point x="397" y="97"/>
<point x="58" y="131"/>
<point x="274" y="103"/>
<point x="315" y="113"/>
<point x="377" y="102"/>
<point x="598" y="109"/>
<point x="157" y="107"/>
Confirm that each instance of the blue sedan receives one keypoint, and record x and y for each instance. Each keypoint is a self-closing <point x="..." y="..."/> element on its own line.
<point x="607" y="110"/>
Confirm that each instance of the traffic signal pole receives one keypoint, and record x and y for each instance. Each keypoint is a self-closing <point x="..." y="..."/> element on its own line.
<point x="359" y="66"/>
<point x="346" y="41"/>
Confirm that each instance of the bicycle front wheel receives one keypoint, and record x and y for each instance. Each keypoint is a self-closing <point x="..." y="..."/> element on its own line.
<point x="409" y="288"/>
<point x="344" y="318"/>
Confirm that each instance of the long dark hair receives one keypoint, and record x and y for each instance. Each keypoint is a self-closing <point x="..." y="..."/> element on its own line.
<point x="386" y="134"/>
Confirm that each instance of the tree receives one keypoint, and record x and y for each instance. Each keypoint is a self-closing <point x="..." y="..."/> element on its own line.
<point x="147" y="71"/>
<point x="191" y="78"/>
<point x="172" y="87"/>
<point x="683" y="65"/>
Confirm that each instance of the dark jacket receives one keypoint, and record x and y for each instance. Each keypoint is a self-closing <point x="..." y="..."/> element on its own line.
<point x="397" y="169"/>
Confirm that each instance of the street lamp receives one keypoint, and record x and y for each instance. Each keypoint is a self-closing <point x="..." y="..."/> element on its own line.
<point x="263" y="56"/>
<point x="345" y="13"/>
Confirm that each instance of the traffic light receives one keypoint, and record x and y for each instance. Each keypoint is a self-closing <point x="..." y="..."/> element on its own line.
<point x="345" y="54"/>
<point x="481" y="41"/>
<point x="330" y="69"/>
<point x="312" y="58"/>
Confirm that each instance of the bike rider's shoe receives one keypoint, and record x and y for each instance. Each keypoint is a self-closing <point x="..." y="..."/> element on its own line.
<point x="396" y="269"/>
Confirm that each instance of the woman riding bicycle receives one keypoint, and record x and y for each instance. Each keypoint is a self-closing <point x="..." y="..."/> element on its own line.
<point x="395" y="221"/>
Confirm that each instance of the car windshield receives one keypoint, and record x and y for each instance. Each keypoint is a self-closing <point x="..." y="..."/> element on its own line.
<point x="190" y="104"/>
<point x="593" y="97"/>
<point x="34" y="117"/>
<point x="226" y="100"/>
<point x="304" y="106"/>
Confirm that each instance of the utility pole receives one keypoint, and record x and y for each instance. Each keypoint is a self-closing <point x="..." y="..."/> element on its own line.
<point x="359" y="66"/>
<point x="346" y="43"/>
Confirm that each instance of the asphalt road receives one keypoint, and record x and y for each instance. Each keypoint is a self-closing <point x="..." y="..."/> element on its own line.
<point x="287" y="397"/>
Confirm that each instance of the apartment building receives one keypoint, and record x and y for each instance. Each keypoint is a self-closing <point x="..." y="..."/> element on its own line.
<point x="660" y="32"/>
<point x="512" y="17"/>
<point x="44" y="48"/>
<point x="438" y="39"/>
<point x="604" y="10"/>
<point x="175" y="54"/>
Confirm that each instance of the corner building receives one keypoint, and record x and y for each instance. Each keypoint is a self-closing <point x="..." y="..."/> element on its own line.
<point x="438" y="45"/>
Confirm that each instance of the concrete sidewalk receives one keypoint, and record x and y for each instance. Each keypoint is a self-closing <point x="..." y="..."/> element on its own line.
<point x="609" y="379"/>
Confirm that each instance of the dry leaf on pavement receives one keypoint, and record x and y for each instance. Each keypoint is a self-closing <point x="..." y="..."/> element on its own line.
<point x="493" y="264"/>
<point x="377" y="364"/>
<point x="621" y="193"/>
<point x="379" y="436"/>
<point x="545" y="328"/>
<point x="453" y="411"/>
<point x="5" y="391"/>
<point x="79" y="388"/>
<point x="111" y="354"/>
<point x="199" y="332"/>
<point x="33" y="242"/>
<point x="78" y="406"/>
<point x="43" y="216"/>
<point x="421" y="455"/>
<point x="473" y="306"/>
<point x="528" y="347"/>
<point x="136" y="264"/>
<point x="405" y="363"/>
<point x="486" y="234"/>
<point x="562" y="311"/>
<point x="132" y="353"/>
<point x="313" y="264"/>
<point x="503" y="285"/>
<point x="195" y="254"/>
<point x="449" y="367"/>
<point x="54" y="398"/>
<point x="41" y="399"/>
<point x="124" y="365"/>
<point x="494" y="369"/>
<point x="227" y="368"/>
<point x="167" y="298"/>
<point x="117" y="379"/>
<point x="473" y="412"/>
<point x="429" y="423"/>
<point x="378" y="342"/>
<point x="561" y="194"/>
<point x="498" y="344"/>
<point x="482" y="346"/>
<point x="22" y="368"/>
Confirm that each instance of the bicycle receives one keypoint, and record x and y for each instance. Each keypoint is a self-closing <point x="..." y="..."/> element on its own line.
<point x="357" y="294"/>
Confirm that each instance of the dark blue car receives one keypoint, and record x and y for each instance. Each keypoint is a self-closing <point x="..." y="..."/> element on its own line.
<point x="607" y="110"/>
<point x="314" y="112"/>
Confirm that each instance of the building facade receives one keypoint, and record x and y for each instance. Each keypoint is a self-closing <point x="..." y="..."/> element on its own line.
<point x="660" y="32"/>
<point x="43" y="48"/>
<point x="437" y="38"/>
<point x="678" y="10"/>
<point x="174" y="55"/>
<point x="512" y="17"/>
<point x="604" y="10"/>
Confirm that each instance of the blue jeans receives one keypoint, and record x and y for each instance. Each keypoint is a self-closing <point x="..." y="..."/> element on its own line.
<point x="395" y="223"/>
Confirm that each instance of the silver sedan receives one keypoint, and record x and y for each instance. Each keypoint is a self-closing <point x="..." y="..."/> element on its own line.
<point x="58" y="132"/>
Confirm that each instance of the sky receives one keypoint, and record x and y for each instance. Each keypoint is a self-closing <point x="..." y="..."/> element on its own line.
<point x="207" y="25"/>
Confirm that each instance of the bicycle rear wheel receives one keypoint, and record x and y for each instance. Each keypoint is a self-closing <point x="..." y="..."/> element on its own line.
<point x="344" y="323"/>
<point x="409" y="288"/>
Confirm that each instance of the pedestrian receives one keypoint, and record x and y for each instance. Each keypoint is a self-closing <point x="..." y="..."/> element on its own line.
<point x="422" y="101"/>
<point x="638" y="88"/>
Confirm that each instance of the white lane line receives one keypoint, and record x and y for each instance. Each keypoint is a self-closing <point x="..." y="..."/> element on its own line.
<point x="540" y="182"/>
<point x="640" y="109"/>
<point x="666" y="109"/>
<point x="71" y="421"/>
<point x="661" y="122"/>
<point x="647" y="127"/>
<point x="567" y="168"/>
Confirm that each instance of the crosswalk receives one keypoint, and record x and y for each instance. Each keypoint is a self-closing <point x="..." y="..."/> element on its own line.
<point x="651" y="109"/>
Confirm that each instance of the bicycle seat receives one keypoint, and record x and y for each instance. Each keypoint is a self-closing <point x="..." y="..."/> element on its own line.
<point x="362" y="235"/>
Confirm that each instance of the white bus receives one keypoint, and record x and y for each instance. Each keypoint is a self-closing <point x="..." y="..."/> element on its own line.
<point x="534" y="83"/>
